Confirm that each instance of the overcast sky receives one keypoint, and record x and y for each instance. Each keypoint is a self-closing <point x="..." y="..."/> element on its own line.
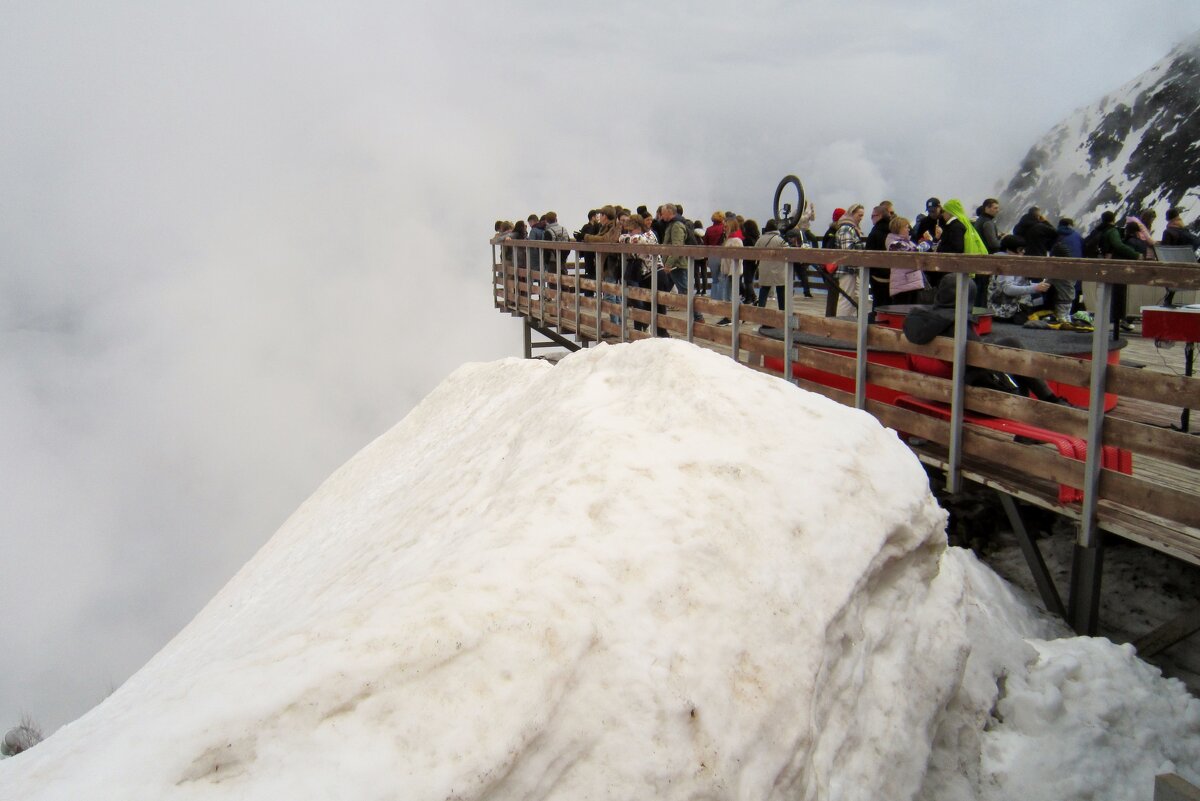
<point x="240" y="240"/>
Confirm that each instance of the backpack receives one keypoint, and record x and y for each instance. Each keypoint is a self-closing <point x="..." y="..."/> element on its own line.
<point x="689" y="234"/>
<point x="1091" y="243"/>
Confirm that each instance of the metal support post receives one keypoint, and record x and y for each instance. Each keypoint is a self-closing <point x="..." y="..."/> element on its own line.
<point x="541" y="285"/>
<point x="528" y="330"/>
<point x="624" y="300"/>
<point x="1033" y="557"/>
<point x="789" y="305"/>
<point x="691" y="300"/>
<point x="578" y="322"/>
<point x="861" y="358"/>
<point x="1083" y="605"/>
<point x="962" y="310"/>
<point x="654" y="299"/>
<point x="735" y="298"/>
<point x="558" y="254"/>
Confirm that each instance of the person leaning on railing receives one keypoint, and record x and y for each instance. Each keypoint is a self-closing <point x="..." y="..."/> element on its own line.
<point x="848" y="236"/>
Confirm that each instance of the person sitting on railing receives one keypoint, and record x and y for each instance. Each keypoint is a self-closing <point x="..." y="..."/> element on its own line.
<point x="905" y="285"/>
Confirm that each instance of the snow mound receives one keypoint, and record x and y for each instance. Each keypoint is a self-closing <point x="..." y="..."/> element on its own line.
<point x="646" y="572"/>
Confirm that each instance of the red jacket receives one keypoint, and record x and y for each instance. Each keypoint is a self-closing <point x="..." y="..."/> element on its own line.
<point x="714" y="234"/>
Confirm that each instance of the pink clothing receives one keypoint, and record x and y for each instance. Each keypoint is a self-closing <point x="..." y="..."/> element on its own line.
<point x="902" y="280"/>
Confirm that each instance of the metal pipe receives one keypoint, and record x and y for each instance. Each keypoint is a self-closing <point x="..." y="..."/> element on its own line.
<point x="578" y="324"/>
<point x="558" y="256"/>
<point x="691" y="300"/>
<point x="735" y="297"/>
<point x="624" y="299"/>
<point x="1095" y="429"/>
<point x="654" y="299"/>
<point x="962" y="311"/>
<point x="860" y="347"/>
<point x="789" y="305"/>
<point x="541" y="285"/>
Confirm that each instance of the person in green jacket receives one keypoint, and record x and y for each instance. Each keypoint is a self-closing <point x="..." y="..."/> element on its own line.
<point x="1113" y="247"/>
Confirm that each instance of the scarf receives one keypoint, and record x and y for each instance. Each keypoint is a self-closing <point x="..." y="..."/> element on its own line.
<point x="972" y="242"/>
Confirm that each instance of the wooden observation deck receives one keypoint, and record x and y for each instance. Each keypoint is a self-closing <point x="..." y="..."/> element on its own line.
<point x="1130" y="473"/>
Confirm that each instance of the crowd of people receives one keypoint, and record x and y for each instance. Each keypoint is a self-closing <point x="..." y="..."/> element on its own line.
<point x="944" y="228"/>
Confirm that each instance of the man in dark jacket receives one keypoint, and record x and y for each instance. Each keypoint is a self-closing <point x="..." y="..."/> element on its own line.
<point x="1036" y="230"/>
<point x="1068" y="236"/>
<point x="1176" y="233"/>
<point x="877" y="240"/>
<point x="931" y="223"/>
<point x="985" y="224"/>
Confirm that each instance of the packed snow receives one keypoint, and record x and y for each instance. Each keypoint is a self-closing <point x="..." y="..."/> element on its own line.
<point x="646" y="572"/>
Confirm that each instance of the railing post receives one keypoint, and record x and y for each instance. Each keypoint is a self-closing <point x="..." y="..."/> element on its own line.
<point x="1084" y="603"/>
<point x="504" y="289"/>
<point x="578" y="322"/>
<point x="735" y="297"/>
<point x="860" y="362"/>
<point x="558" y="254"/>
<point x="624" y="299"/>
<point x="654" y="299"/>
<point x="789" y="305"/>
<point x="599" y="296"/>
<point x="691" y="300"/>
<point x="962" y="310"/>
<point x="541" y="277"/>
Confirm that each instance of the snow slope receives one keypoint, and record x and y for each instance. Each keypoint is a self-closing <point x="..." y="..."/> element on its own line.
<point x="644" y="573"/>
<point x="1136" y="148"/>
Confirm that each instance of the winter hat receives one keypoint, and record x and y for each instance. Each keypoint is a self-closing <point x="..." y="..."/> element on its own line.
<point x="932" y="204"/>
<point x="837" y="214"/>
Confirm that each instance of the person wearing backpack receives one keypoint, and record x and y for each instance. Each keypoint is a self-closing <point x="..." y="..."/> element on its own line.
<point x="677" y="232"/>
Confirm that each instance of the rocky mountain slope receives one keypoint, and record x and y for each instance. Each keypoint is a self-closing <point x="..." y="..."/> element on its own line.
<point x="1138" y="147"/>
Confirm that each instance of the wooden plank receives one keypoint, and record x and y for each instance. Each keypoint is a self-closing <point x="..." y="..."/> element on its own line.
<point x="1173" y="787"/>
<point x="1178" y="628"/>
<point x="1168" y="503"/>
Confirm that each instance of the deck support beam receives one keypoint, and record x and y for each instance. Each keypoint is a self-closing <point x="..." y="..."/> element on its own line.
<point x="1033" y="557"/>
<point x="1083" y="604"/>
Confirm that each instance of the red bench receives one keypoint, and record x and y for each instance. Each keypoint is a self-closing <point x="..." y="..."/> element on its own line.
<point x="1072" y="447"/>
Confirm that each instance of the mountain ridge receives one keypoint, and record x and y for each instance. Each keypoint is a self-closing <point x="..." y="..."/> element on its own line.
<point x="1136" y="148"/>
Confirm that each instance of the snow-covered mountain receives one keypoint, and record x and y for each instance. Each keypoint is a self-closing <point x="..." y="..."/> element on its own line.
<point x="1138" y="147"/>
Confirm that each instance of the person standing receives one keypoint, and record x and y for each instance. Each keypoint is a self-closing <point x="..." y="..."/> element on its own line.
<point x="849" y="237"/>
<point x="729" y="269"/>
<point x="714" y="235"/>
<point x="985" y="224"/>
<point x="772" y="273"/>
<point x="881" y="216"/>
<point x="675" y="234"/>
<point x="1176" y="234"/>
